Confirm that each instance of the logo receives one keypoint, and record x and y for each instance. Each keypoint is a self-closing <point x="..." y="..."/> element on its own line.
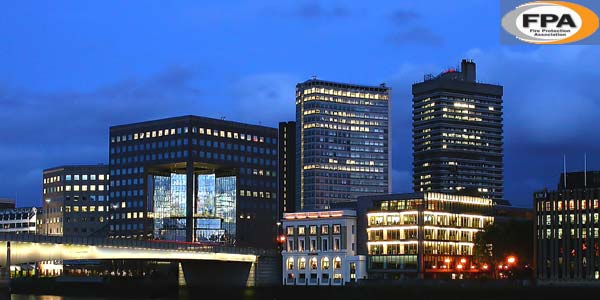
<point x="550" y="22"/>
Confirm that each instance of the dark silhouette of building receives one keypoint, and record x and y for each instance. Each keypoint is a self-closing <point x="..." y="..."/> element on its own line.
<point x="194" y="179"/>
<point x="74" y="200"/>
<point x="457" y="133"/>
<point x="567" y="226"/>
<point x="287" y="167"/>
<point x="343" y="142"/>
<point x="7" y="203"/>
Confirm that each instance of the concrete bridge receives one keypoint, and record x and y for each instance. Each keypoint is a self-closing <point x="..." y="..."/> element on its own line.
<point x="199" y="264"/>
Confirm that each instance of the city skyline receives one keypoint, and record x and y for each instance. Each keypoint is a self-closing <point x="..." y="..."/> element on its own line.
<point x="65" y="81"/>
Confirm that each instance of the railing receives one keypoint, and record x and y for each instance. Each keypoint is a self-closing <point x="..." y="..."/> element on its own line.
<point x="131" y="243"/>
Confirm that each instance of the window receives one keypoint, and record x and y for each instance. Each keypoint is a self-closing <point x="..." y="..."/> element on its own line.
<point x="313" y="245"/>
<point x="325" y="245"/>
<point x="290" y="245"/>
<point x="324" y="229"/>
<point x="337" y="263"/>
<point x="301" y="230"/>
<point x="336" y="244"/>
<point x="337" y="229"/>
<point x="290" y="263"/>
<point x="302" y="263"/>
<point x="325" y="263"/>
<point x="301" y="245"/>
<point x="290" y="230"/>
<point x="313" y="263"/>
<point x="313" y="229"/>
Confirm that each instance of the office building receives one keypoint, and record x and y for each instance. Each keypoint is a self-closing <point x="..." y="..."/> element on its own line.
<point x="287" y="167"/>
<point x="422" y="235"/>
<point x="20" y="220"/>
<point x="320" y="248"/>
<point x="457" y="134"/>
<point x="75" y="201"/>
<point x="343" y="142"/>
<point x="6" y="203"/>
<point x="194" y="179"/>
<point x="567" y="225"/>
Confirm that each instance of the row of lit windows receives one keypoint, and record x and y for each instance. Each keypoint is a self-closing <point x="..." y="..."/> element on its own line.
<point x="75" y="177"/>
<point x="52" y="179"/>
<point x="343" y="168"/>
<point x="255" y="194"/>
<point x="571" y="218"/>
<point x="129" y="215"/>
<point x="312" y="229"/>
<point x="337" y="127"/>
<point x="570" y="205"/>
<point x="85" y="208"/>
<point x="345" y="93"/>
<point x="185" y="130"/>
<point x="313" y="263"/>
<point x="572" y="233"/>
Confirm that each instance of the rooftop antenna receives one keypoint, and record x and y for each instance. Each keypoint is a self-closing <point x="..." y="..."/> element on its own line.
<point x="313" y="77"/>
<point x="565" y="170"/>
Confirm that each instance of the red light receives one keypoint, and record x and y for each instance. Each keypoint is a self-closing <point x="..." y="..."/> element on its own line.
<point x="485" y="267"/>
<point x="511" y="259"/>
<point x="463" y="260"/>
<point x="282" y="238"/>
<point x="459" y="266"/>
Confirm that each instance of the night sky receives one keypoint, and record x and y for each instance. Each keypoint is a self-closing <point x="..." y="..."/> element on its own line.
<point x="70" y="70"/>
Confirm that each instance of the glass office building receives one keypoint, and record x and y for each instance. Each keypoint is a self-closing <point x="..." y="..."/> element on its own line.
<point x="422" y="235"/>
<point x="194" y="179"/>
<point x="342" y="142"/>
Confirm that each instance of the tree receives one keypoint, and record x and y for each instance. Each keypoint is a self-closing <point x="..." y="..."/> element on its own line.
<point x="502" y="240"/>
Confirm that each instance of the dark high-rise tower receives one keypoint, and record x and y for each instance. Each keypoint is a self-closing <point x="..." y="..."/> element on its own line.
<point x="343" y="142"/>
<point x="287" y="167"/>
<point x="457" y="133"/>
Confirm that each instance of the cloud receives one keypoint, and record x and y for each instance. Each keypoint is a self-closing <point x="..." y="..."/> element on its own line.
<point x="417" y="35"/>
<point x="40" y="130"/>
<point x="316" y="9"/>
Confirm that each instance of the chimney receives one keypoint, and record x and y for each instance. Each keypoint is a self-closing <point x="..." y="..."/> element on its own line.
<point x="467" y="67"/>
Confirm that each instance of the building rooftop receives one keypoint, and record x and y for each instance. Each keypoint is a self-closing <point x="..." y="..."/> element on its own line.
<point x="63" y="167"/>
<point x="188" y="118"/>
<point x="318" y="82"/>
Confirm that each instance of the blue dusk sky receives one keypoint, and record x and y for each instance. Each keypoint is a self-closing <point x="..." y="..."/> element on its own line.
<point x="71" y="69"/>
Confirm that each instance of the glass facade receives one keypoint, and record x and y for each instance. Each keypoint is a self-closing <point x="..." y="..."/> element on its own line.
<point x="169" y="207"/>
<point x="342" y="142"/>
<point x="215" y="210"/>
<point x="426" y="234"/>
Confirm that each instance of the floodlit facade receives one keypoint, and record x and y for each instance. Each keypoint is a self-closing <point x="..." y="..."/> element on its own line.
<point x="422" y="235"/>
<point x="194" y="179"/>
<point x="75" y="201"/>
<point x="22" y="220"/>
<point x="343" y="141"/>
<point x="320" y="248"/>
<point x="567" y="225"/>
<point x="457" y="134"/>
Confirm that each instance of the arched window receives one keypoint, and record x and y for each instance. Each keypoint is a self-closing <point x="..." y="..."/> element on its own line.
<point x="290" y="263"/>
<point x="313" y="263"/>
<point x="337" y="263"/>
<point x="302" y="263"/>
<point x="325" y="263"/>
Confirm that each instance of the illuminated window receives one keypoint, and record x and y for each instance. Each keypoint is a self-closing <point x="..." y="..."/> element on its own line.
<point x="290" y="263"/>
<point x="313" y="263"/>
<point x="313" y="229"/>
<point x="302" y="263"/>
<point x="76" y="188"/>
<point x="337" y="263"/>
<point x="325" y="263"/>
<point x="301" y="230"/>
<point x="290" y="230"/>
